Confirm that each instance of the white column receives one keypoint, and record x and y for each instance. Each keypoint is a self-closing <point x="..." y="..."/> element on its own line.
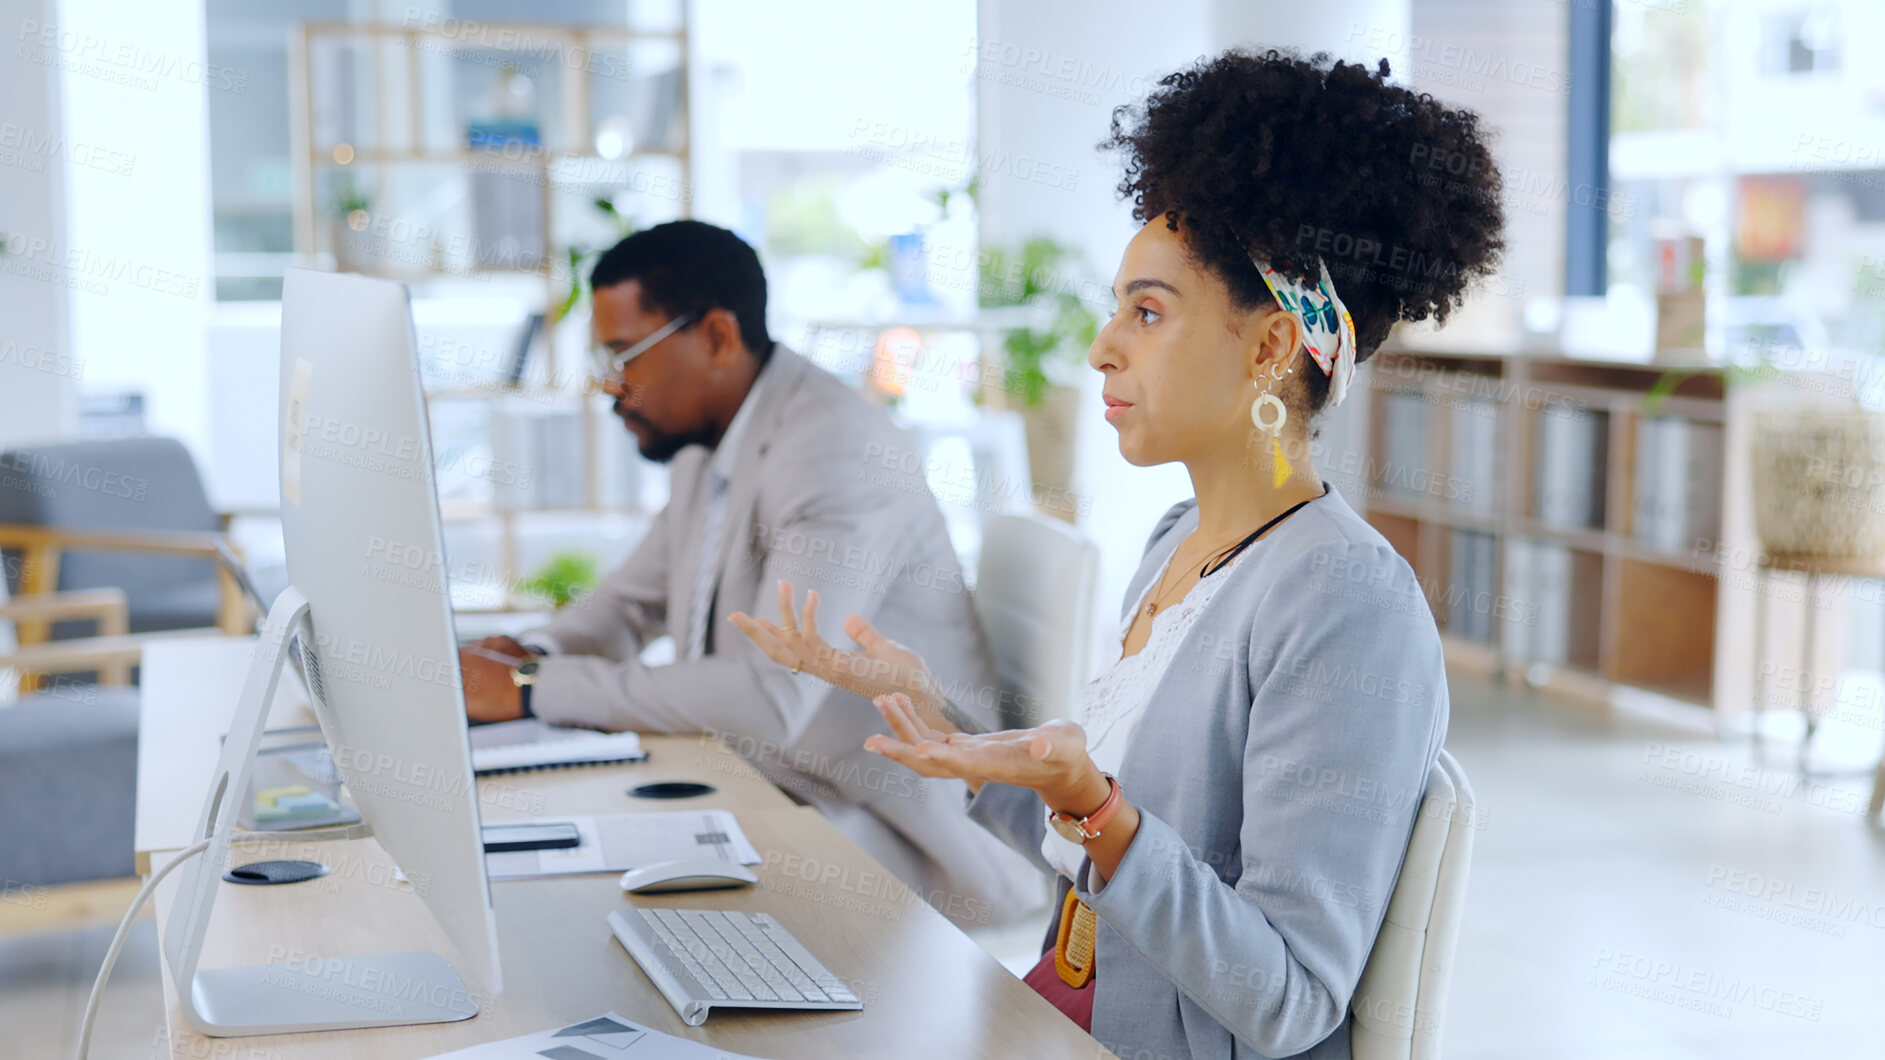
<point x="37" y="369"/>
<point x="137" y="248"/>
<point x="1048" y="74"/>
<point x="1346" y="29"/>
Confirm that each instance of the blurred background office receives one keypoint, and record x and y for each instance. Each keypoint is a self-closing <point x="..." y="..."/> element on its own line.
<point x="1641" y="474"/>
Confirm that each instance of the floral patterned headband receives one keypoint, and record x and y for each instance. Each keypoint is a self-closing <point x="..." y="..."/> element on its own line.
<point x="1328" y="331"/>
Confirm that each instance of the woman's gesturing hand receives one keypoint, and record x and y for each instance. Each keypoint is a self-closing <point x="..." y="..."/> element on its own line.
<point x="1051" y="759"/>
<point x="880" y="666"/>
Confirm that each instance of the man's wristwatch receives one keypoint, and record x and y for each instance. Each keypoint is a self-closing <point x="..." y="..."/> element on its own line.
<point x="1082" y="829"/>
<point x="524" y="676"/>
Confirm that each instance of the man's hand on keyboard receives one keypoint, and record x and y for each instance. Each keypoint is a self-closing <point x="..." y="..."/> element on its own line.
<point x="490" y="694"/>
<point x="505" y="646"/>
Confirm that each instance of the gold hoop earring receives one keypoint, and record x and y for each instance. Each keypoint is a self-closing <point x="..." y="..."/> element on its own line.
<point x="1272" y="426"/>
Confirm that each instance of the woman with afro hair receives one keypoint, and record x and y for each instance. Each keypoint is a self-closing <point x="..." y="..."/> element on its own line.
<point x="1227" y="813"/>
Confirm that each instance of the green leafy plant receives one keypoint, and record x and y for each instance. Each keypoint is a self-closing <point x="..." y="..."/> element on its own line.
<point x="969" y="191"/>
<point x="580" y="258"/>
<point x="1733" y="375"/>
<point x="1041" y="272"/>
<point x="875" y="256"/>
<point x="349" y="199"/>
<point x="566" y="576"/>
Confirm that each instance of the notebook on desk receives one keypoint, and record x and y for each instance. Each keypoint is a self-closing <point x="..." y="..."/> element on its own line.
<point x="517" y="746"/>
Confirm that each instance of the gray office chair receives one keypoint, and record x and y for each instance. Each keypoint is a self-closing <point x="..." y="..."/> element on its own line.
<point x="1034" y="596"/>
<point x="1402" y="994"/>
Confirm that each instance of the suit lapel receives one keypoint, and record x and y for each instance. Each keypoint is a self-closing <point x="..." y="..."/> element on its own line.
<point x="687" y="503"/>
<point x="785" y="371"/>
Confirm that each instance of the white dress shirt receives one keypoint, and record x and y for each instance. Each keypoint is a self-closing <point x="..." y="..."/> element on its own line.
<point x="719" y="473"/>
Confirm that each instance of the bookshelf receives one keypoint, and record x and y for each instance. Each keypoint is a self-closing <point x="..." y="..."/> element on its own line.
<point x="455" y="173"/>
<point x="1565" y="519"/>
<point x="469" y="154"/>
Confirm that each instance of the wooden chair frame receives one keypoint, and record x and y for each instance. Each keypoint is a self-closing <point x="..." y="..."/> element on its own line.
<point x="42" y="547"/>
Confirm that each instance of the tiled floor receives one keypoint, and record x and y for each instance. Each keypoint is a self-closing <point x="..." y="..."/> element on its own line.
<point x="1610" y="913"/>
<point x="1608" y="909"/>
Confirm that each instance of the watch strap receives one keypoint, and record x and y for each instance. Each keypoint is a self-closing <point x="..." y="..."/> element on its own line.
<point x="1094" y="823"/>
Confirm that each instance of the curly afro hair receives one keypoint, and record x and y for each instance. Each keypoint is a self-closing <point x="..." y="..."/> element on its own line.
<point x="1300" y="158"/>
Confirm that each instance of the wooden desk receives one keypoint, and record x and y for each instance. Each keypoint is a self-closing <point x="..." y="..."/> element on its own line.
<point x="928" y="989"/>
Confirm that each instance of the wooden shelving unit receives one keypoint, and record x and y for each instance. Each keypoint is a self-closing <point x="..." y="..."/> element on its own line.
<point x="403" y="104"/>
<point x="399" y="69"/>
<point x="1624" y="606"/>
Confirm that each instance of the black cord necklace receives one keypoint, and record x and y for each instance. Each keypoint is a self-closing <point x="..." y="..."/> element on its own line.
<point x="1212" y="566"/>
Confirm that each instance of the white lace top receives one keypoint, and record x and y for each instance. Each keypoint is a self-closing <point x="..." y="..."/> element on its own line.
<point x="1111" y="704"/>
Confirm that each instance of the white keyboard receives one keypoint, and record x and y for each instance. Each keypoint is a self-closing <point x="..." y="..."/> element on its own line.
<point x="700" y="958"/>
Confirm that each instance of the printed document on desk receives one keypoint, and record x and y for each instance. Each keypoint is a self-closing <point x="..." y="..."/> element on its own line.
<point x="617" y="842"/>
<point x="608" y="1036"/>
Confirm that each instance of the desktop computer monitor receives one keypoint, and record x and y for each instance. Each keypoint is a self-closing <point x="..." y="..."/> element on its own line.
<point x="369" y="612"/>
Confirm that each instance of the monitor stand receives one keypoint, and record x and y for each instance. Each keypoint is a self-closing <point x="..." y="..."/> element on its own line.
<point x="310" y="993"/>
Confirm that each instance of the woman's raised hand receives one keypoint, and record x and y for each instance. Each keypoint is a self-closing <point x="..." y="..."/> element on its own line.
<point x="880" y="666"/>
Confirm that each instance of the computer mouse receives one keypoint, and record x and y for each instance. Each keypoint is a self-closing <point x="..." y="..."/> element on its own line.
<point x="698" y="874"/>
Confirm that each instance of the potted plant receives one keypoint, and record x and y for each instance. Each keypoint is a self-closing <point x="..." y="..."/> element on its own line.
<point x="1033" y="372"/>
<point x="1818" y="481"/>
<point x="355" y="249"/>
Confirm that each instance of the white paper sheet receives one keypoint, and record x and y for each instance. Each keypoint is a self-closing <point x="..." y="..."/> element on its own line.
<point x="617" y="842"/>
<point x="607" y="1037"/>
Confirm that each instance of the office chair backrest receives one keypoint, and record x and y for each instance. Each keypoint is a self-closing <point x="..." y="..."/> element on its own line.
<point x="1034" y="596"/>
<point x="142" y="483"/>
<point x="1399" y="1002"/>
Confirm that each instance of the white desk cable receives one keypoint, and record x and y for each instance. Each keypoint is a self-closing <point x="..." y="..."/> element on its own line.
<point x="117" y="942"/>
<point x="150" y="887"/>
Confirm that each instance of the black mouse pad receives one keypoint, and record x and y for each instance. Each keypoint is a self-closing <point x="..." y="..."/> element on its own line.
<point x="671" y="789"/>
<point x="264" y="873"/>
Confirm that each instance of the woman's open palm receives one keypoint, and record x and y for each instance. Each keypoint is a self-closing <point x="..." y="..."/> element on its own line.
<point x="1051" y="757"/>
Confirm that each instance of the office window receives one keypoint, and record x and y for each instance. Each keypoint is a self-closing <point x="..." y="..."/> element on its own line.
<point x="830" y="130"/>
<point x="1741" y="125"/>
<point x="1802" y="41"/>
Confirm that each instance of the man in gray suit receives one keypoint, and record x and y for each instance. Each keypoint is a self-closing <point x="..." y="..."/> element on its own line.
<point x="780" y="473"/>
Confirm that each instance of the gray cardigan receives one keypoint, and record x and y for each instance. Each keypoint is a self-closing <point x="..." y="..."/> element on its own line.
<point x="1277" y="771"/>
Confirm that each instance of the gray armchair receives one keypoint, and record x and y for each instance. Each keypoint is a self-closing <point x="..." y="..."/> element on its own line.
<point x="110" y="544"/>
<point x="68" y="769"/>
<point x="129" y="514"/>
